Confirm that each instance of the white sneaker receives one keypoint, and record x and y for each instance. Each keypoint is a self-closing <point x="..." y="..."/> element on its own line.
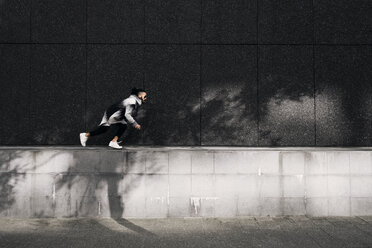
<point x="83" y="139"/>
<point x="115" y="145"/>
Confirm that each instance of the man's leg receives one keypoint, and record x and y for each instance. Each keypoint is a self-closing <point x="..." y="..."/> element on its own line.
<point x="84" y="136"/>
<point x="97" y="131"/>
<point x="119" y="132"/>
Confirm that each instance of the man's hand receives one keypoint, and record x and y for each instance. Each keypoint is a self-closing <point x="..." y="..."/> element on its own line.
<point x="137" y="126"/>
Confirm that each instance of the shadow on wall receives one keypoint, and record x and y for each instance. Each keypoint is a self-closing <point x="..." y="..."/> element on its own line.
<point x="230" y="116"/>
<point x="99" y="188"/>
<point x="345" y="118"/>
<point x="70" y="184"/>
<point x="282" y="116"/>
<point x="286" y="106"/>
<point x="9" y="177"/>
<point x="21" y="185"/>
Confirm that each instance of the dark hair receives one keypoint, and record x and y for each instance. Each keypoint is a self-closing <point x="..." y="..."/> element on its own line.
<point x="135" y="91"/>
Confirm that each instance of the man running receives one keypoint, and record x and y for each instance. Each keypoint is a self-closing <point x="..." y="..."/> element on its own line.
<point x="120" y="114"/>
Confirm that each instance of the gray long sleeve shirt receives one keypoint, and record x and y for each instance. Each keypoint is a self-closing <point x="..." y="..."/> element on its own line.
<point x="122" y="112"/>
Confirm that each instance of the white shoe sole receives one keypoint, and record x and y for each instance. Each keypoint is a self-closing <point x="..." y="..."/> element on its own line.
<point x="115" y="147"/>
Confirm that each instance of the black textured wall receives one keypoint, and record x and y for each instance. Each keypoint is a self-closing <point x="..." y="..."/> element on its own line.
<point x="218" y="72"/>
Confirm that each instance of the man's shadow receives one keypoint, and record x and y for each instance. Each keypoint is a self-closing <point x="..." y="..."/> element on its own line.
<point x="131" y="226"/>
<point x="117" y="209"/>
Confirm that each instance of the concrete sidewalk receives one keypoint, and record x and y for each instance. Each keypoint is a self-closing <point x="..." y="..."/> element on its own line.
<point x="298" y="231"/>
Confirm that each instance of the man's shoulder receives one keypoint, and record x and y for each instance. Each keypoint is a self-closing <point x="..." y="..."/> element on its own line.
<point x="129" y="101"/>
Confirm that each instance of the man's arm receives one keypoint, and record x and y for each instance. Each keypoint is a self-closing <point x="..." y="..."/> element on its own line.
<point x="128" y="115"/>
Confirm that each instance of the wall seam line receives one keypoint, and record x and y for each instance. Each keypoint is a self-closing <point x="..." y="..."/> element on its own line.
<point x="200" y="72"/>
<point x="86" y="66"/>
<point x="257" y="75"/>
<point x="186" y="44"/>
<point x="314" y="82"/>
<point x="30" y="49"/>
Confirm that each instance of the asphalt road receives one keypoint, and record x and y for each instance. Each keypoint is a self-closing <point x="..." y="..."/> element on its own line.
<point x="296" y="231"/>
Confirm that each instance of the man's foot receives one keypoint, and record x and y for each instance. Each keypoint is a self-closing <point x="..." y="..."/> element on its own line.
<point x="115" y="145"/>
<point x="83" y="139"/>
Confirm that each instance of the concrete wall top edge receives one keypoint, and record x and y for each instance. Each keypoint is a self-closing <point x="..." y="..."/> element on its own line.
<point x="187" y="148"/>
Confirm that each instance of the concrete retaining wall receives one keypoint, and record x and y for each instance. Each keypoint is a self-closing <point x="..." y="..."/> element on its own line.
<point x="183" y="182"/>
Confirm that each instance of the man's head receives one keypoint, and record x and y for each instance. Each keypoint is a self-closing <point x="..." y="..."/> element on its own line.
<point x="143" y="96"/>
<point x="140" y="93"/>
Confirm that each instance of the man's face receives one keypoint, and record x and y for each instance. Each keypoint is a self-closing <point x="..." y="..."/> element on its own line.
<point x="143" y="96"/>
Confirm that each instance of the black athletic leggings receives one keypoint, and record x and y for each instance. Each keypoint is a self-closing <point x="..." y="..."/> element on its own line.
<point x="103" y="129"/>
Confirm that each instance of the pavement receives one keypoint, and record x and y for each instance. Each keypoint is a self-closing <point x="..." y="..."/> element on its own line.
<point x="290" y="231"/>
